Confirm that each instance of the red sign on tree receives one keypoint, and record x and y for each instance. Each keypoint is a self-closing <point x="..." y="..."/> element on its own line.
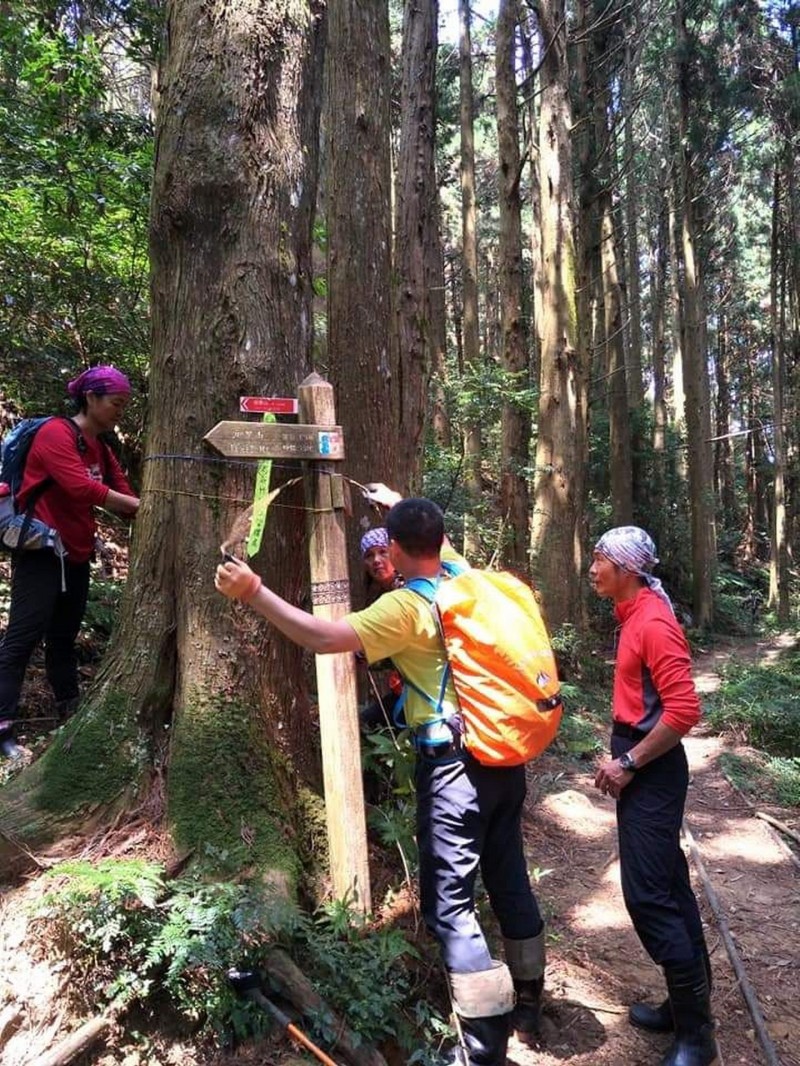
<point x="276" y="405"/>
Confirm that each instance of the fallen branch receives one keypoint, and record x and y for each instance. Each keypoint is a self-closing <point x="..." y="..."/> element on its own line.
<point x="295" y="986"/>
<point x="76" y="1043"/>
<point x="748" y="992"/>
<point x="784" y="828"/>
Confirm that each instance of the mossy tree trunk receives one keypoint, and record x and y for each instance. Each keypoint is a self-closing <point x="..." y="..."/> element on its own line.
<point x="195" y="692"/>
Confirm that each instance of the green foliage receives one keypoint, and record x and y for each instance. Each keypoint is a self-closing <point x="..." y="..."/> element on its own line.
<point x="738" y="600"/>
<point x="75" y="171"/>
<point x="578" y="734"/>
<point x="760" y="705"/>
<point x="206" y="928"/>
<point x="127" y="936"/>
<point x="102" y="607"/>
<point x="363" y="974"/>
<point x="390" y="760"/>
<point x="765" y="778"/>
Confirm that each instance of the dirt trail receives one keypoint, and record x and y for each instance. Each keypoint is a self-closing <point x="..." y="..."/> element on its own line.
<point x="596" y="965"/>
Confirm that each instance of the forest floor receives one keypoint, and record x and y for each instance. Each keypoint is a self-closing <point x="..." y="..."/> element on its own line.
<point x="596" y="966"/>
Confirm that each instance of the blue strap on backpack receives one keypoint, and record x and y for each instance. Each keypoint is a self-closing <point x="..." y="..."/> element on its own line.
<point x="426" y="587"/>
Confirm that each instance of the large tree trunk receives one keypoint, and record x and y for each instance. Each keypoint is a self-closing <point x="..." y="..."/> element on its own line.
<point x="515" y="420"/>
<point x="196" y="692"/>
<point x="371" y="394"/>
<point x="561" y="449"/>
<point x="419" y="271"/>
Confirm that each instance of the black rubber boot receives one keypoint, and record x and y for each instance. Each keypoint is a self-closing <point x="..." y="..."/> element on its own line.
<point x="687" y="984"/>
<point x="482" y="1003"/>
<point x="653" y="1019"/>
<point x="485" y="1042"/>
<point x="659" y="1019"/>
<point x="9" y="749"/>
<point x="526" y="961"/>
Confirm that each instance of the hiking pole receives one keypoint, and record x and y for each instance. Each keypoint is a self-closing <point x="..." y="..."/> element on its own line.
<point x="247" y="983"/>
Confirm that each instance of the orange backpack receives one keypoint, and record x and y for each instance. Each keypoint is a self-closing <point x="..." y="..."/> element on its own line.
<point x="503" y="668"/>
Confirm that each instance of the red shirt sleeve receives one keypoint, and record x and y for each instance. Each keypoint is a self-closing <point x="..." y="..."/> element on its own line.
<point x="114" y="477"/>
<point x="666" y="653"/>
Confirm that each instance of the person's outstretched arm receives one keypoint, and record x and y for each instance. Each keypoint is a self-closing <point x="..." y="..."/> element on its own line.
<point x="237" y="581"/>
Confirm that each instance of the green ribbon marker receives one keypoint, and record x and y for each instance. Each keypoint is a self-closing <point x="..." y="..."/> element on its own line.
<point x="261" y="500"/>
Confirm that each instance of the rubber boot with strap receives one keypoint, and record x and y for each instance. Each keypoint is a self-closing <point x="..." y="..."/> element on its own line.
<point x="659" y="1019"/>
<point x="526" y="961"/>
<point x="689" y="996"/>
<point x="482" y="1001"/>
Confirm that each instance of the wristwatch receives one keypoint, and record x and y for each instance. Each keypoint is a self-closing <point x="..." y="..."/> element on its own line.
<point x="627" y="762"/>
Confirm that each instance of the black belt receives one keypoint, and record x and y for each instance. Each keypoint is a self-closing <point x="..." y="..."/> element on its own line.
<point x="620" y="729"/>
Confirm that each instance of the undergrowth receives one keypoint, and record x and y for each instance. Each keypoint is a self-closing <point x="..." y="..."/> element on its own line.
<point x="765" y="778"/>
<point x="128" y="937"/>
<point x="760" y="706"/>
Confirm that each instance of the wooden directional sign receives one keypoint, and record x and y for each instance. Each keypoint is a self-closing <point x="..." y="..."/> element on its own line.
<point x="257" y="440"/>
<point x="262" y="405"/>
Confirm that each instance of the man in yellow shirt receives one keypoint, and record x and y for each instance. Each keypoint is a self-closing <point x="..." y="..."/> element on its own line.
<point x="468" y="815"/>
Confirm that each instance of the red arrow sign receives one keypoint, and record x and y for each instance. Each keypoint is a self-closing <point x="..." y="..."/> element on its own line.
<point x="276" y="405"/>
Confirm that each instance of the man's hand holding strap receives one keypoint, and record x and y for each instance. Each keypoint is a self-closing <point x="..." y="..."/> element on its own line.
<point x="237" y="581"/>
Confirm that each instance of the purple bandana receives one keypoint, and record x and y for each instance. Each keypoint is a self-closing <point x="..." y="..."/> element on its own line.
<point x="374" y="538"/>
<point x="100" y="380"/>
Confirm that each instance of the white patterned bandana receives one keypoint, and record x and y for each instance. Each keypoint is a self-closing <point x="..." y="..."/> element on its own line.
<point x="374" y="538"/>
<point x="632" y="549"/>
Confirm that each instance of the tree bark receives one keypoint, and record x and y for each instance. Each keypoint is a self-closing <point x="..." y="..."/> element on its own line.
<point x="779" y="553"/>
<point x="375" y="401"/>
<point x="695" y="372"/>
<point x="561" y="448"/>
<point x="515" y="420"/>
<point x="195" y="693"/>
<point x="419" y="305"/>
<point x="469" y="289"/>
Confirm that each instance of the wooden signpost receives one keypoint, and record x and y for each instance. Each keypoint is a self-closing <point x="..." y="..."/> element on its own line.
<point x="318" y="440"/>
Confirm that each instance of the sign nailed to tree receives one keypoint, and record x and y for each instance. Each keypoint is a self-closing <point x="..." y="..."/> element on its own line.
<point x="257" y="440"/>
<point x="262" y="405"/>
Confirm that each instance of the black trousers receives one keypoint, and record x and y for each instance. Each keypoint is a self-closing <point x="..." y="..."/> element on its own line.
<point x="40" y="610"/>
<point x="469" y="818"/>
<point x="655" y="875"/>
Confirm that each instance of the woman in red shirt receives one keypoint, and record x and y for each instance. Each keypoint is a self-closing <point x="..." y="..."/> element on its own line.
<point x="48" y="592"/>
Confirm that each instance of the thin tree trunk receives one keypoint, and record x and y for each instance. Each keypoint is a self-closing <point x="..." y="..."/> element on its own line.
<point x="698" y="400"/>
<point x="633" y="376"/>
<point x="779" y="554"/>
<point x="469" y="287"/>
<point x="723" y="450"/>
<point x="658" y="276"/>
<point x="515" y="420"/>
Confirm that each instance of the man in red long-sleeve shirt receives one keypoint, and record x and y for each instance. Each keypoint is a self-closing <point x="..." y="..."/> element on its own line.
<point x="654" y="705"/>
<point x="49" y="593"/>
